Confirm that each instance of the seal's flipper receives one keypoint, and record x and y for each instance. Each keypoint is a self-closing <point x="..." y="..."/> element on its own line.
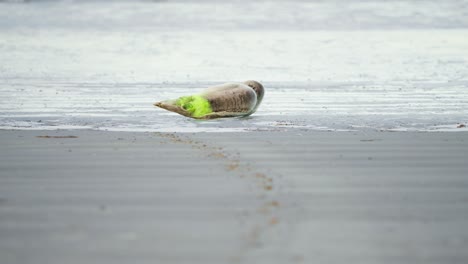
<point x="171" y="106"/>
<point x="194" y="106"/>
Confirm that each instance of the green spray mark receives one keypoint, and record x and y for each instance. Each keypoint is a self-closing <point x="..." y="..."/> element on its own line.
<point x="196" y="105"/>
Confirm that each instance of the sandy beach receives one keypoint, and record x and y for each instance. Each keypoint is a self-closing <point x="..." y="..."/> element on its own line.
<point x="261" y="197"/>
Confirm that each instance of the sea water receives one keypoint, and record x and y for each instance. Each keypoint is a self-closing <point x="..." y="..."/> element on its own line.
<point x="326" y="65"/>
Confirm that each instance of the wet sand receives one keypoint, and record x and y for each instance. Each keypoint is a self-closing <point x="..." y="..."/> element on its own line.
<point x="262" y="197"/>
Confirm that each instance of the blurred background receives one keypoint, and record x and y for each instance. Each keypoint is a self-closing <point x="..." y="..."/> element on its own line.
<point x="176" y="41"/>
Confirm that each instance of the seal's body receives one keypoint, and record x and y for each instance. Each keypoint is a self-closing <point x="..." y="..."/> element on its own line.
<point x="226" y="100"/>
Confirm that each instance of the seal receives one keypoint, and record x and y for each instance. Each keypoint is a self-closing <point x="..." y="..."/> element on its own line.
<point x="225" y="100"/>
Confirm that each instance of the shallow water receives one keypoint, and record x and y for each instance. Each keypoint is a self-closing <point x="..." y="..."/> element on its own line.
<point x="350" y="66"/>
<point x="128" y="107"/>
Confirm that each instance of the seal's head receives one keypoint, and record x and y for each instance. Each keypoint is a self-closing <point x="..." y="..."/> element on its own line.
<point x="259" y="90"/>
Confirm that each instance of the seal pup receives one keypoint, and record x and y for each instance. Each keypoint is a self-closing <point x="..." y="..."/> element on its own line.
<point x="225" y="100"/>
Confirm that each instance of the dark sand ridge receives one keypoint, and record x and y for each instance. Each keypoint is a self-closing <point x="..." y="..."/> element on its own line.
<point x="261" y="197"/>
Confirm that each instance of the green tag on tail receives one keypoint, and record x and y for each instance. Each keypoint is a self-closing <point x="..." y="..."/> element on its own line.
<point x="196" y="105"/>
